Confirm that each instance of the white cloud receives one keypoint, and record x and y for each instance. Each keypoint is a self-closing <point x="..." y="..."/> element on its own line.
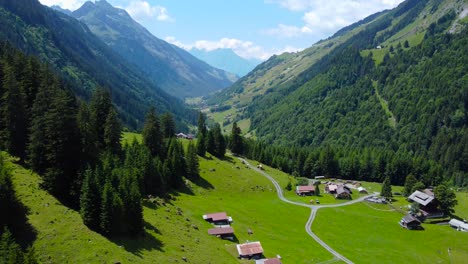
<point x="245" y="49"/>
<point x="323" y="18"/>
<point x="142" y="10"/>
<point x="66" y="4"/>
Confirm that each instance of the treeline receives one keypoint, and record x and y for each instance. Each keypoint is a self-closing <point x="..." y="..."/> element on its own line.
<point x="76" y="147"/>
<point x="12" y="214"/>
<point x="346" y="163"/>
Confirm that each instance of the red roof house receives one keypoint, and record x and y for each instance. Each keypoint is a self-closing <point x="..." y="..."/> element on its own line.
<point x="250" y="250"/>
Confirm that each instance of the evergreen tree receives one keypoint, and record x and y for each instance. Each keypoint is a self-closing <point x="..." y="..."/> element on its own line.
<point x="446" y="198"/>
<point x="90" y="200"/>
<point x="106" y="217"/>
<point x="152" y="135"/>
<point x="386" y="189"/>
<point x="100" y="106"/>
<point x="201" y="135"/>
<point x="418" y="186"/>
<point x="409" y="184"/>
<point x="134" y="209"/>
<point x="193" y="169"/>
<point x="235" y="141"/>
<point x="112" y="132"/>
<point x="219" y="141"/>
<point x="168" y="125"/>
<point x="13" y="116"/>
<point x="210" y="142"/>
<point x="88" y="153"/>
<point x="10" y="251"/>
<point x="317" y="187"/>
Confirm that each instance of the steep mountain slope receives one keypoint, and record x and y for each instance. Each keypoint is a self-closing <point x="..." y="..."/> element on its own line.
<point x="82" y="59"/>
<point x="172" y="68"/>
<point x="227" y="60"/>
<point x="409" y="94"/>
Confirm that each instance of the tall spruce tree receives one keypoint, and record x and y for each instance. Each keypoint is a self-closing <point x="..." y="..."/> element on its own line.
<point x="193" y="167"/>
<point x="386" y="189"/>
<point x="410" y="181"/>
<point x="112" y="132"/>
<point x="100" y="106"/>
<point x="201" y="135"/>
<point x="219" y="141"/>
<point x="90" y="200"/>
<point x="168" y="125"/>
<point x="152" y="134"/>
<point x="236" y="143"/>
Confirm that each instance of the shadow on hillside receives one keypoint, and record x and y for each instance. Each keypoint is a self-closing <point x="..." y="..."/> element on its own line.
<point x="17" y="222"/>
<point x="203" y="183"/>
<point x="228" y="159"/>
<point x="145" y="242"/>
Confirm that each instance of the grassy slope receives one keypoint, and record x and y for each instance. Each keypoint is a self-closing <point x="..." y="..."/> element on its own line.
<point x="248" y="197"/>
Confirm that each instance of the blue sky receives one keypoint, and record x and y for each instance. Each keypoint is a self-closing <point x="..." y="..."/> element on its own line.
<point x="252" y="28"/>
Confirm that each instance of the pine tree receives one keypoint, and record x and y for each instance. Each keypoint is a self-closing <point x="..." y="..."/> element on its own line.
<point x="152" y="135"/>
<point x="193" y="167"/>
<point x="90" y="200"/>
<point x="386" y="189"/>
<point x="106" y="210"/>
<point x="168" y="125"/>
<point x="201" y="135"/>
<point x="13" y="116"/>
<point x="235" y="141"/>
<point x="210" y="142"/>
<point x="10" y="251"/>
<point x="88" y="136"/>
<point x="317" y="187"/>
<point x="219" y="141"/>
<point x="112" y="133"/>
<point x="100" y="106"/>
<point x="134" y="209"/>
<point x="410" y="181"/>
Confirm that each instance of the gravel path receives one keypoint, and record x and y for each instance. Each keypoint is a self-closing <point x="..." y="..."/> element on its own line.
<point x="314" y="209"/>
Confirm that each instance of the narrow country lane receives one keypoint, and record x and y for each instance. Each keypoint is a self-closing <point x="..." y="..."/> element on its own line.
<point x="314" y="209"/>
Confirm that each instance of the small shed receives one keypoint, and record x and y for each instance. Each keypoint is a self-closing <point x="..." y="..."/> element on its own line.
<point x="331" y="188"/>
<point x="459" y="225"/>
<point x="222" y="232"/>
<point x="218" y="218"/>
<point x="250" y="250"/>
<point x="305" y="190"/>
<point x="410" y="222"/>
<point x="268" y="261"/>
<point x="362" y="190"/>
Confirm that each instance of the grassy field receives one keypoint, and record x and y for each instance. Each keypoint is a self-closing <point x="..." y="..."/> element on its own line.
<point x="174" y="227"/>
<point x="369" y="233"/>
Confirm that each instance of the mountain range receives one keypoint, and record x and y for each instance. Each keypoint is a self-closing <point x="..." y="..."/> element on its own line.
<point x="173" y="69"/>
<point x="227" y="60"/>
<point x="84" y="61"/>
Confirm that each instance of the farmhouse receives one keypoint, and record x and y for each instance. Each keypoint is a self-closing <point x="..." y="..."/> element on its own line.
<point x="331" y="187"/>
<point x="459" y="225"/>
<point x="268" y="261"/>
<point x="218" y="218"/>
<point x="250" y="250"/>
<point x="305" y="190"/>
<point x="184" y="136"/>
<point x="427" y="202"/>
<point x="342" y="192"/>
<point x="410" y="222"/>
<point x="222" y="232"/>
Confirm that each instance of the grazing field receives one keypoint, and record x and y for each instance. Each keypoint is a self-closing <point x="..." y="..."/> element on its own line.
<point x="174" y="227"/>
<point x="370" y="233"/>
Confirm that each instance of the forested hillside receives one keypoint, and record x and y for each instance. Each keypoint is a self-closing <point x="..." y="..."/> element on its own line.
<point x="408" y="97"/>
<point x="83" y="61"/>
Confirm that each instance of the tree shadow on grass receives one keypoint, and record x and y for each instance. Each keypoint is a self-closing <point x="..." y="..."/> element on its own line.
<point x="17" y="222"/>
<point x="145" y="242"/>
<point x="203" y="183"/>
<point x="228" y="159"/>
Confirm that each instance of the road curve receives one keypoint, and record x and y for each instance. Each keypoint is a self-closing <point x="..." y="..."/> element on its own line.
<point x="314" y="209"/>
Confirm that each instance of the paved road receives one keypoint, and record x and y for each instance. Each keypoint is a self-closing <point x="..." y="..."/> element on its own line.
<point x="314" y="209"/>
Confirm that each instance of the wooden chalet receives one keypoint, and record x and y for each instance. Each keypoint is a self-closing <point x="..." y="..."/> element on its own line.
<point x="410" y="222"/>
<point x="362" y="190"/>
<point x="305" y="190"/>
<point x="268" y="261"/>
<point x="427" y="203"/>
<point x="222" y="232"/>
<point x="218" y="218"/>
<point x="331" y="187"/>
<point x="342" y="192"/>
<point x="251" y="250"/>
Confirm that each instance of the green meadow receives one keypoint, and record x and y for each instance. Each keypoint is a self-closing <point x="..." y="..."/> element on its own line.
<point x="174" y="228"/>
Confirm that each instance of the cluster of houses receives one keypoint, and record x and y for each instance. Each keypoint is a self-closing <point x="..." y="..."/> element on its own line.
<point x="339" y="190"/>
<point x="223" y="229"/>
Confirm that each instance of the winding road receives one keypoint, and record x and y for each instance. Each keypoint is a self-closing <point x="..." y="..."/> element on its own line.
<point x="314" y="209"/>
